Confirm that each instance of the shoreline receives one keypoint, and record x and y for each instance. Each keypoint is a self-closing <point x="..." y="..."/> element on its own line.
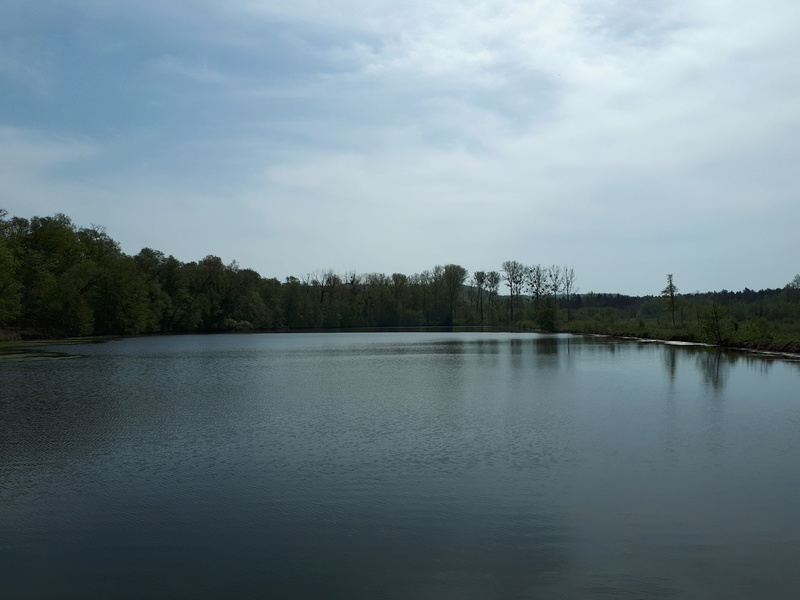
<point x="787" y="350"/>
<point x="13" y="343"/>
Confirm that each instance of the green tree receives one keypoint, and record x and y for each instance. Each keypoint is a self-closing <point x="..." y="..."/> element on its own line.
<point x="380" y="308"/>
<point x="713" y="325"/>
<point x="547" y="316"/>
<point x="297" y="304"/>
<point x="479" y="282"/>
<point x="180" y="312"/>
<point x="215" y="289"/>
<point x="454" y="277"/>
<point x="10" y="288"/>
<point x="400" y="284"/>
<point x="151" y="265"/>
<point x="243" y="306"/>
<point x="437" y="294"/>
<point x="793" y="289"/>
<point x="52" y="280"/>
<point x="112" y="285"/>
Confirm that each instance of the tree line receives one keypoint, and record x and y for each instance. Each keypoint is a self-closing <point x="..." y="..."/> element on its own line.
<point x="767" y="319"/>
<point x="60" y="279"/>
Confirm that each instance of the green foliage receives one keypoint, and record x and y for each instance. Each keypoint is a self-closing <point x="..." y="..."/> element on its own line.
<point x="57" y="278"/>
<point x="548" y="315"/>
<point x="713" y="325"/>
<point x="10" y="288"/>
<point x="651" y="309"/>
<point x="454" y="277"/>
<point x="793" y="290"/>
<point x="761" y="331"/>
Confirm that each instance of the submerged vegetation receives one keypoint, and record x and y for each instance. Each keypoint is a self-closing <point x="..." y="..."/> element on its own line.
<point x="57" y="279"/>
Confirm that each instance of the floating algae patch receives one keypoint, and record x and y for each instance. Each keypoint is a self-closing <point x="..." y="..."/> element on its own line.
<point x="23" y="352"/>
<point x="32" y="355"/>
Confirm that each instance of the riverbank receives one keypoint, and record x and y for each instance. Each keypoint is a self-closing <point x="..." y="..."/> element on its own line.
<point x="779" y="346"/>
<point x="14" y="340"/>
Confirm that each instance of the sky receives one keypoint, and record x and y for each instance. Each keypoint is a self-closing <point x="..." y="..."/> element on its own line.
<point x="626" y="139"/>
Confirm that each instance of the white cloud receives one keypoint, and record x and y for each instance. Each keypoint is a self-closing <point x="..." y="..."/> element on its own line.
<point x="391" y="136"/>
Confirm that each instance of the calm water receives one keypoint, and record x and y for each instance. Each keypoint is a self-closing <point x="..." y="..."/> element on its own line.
<point x="399" y="465"/>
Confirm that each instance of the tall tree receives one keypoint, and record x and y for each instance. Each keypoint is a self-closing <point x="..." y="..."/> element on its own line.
<point x="421" y="284"/>
<point x="555" y="280"/>
<point x="492" y="286"/>
<point x="515" y="277"/>
<point x="400" y="288"/>
<point x="49" y="256"/>
<point x="668" y="293"/>
<point x="380" y="308"/>
<point x="568" y="280"/>
<point x="10" y="296"/>
<point x="793" y="289"/>
<point x="479" y="282"/>
<point x="536" y="284"/>
<point x="712" y="322"/>
<point x="454" y="277"/>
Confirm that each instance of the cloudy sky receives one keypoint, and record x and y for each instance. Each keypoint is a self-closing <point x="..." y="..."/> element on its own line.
<point x="628" y="139"/>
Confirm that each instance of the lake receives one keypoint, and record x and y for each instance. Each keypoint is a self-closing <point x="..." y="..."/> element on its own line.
<point x="399" y="465"/>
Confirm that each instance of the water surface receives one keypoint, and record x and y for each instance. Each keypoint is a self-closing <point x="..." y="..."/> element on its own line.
<point x="399" y="465"/>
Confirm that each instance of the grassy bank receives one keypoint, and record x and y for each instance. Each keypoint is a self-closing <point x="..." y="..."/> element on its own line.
<point x="762" y="335"/>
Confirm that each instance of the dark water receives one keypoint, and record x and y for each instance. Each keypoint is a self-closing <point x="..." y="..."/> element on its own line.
<point x="402" y="465"/>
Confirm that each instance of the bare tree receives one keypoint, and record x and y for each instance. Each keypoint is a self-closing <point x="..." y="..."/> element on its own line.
<point x="554" y="280"/>
<point x="436" y="284"/>
<point x="568" y="279"/>
<point x="324" y="281"/>
<point x="536" y="283"/>
<point x="330" y="281"/>
<point x="515" y="277"/>
<point x="353" y="281"/>
<point x="492" y="286"/>
<point x="399" y="285"/>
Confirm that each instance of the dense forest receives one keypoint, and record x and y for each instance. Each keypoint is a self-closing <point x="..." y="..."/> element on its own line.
<point x="58" y="279"/>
